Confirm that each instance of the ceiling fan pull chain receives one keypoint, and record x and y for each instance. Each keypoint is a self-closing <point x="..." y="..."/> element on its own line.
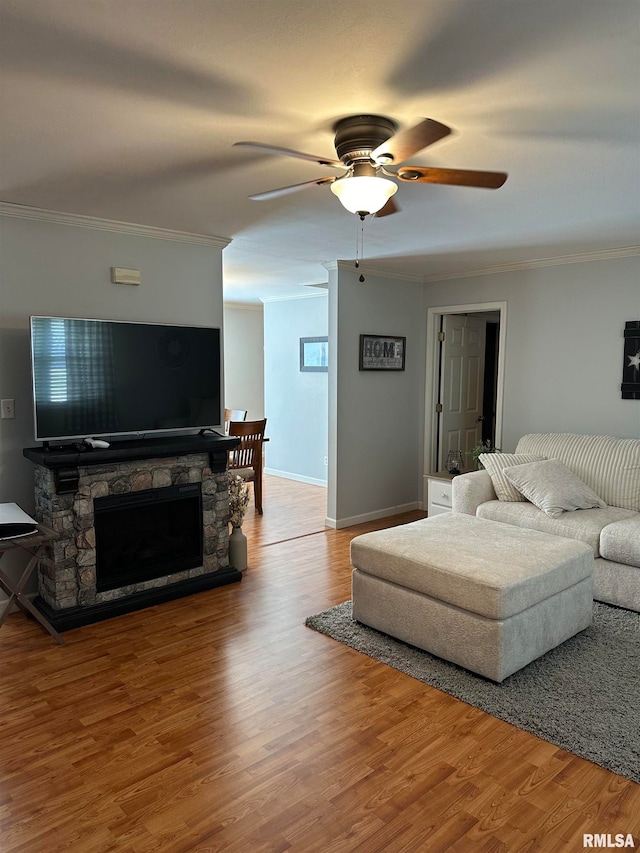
<point x="360" y="247"/>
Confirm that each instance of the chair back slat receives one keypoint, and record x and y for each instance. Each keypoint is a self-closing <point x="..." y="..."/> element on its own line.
<point x="249" y="452"/>
<point x="244" y="455"/>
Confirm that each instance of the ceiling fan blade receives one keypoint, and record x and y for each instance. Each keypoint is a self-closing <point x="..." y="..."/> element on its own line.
<point x="291" y="189"/>
<point x="408" y="142"/>
<point x="289" y="152"/>
<point x="389" y="208"/>
<point x="458" y="177"/>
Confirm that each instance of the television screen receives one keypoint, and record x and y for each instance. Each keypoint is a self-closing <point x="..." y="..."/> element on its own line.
<point x="105" y="377"/>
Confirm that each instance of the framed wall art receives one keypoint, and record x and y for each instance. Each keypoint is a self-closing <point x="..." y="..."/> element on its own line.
<point x="382" y="352"/>
<point x="631" y="361"/>
<point x="314" y="355"/>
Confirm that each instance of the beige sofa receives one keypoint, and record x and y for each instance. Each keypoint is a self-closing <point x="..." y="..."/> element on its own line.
<point x="608" y="466"/>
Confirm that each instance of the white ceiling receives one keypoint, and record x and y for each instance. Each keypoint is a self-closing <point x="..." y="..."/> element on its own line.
<point x="128" y="109"/>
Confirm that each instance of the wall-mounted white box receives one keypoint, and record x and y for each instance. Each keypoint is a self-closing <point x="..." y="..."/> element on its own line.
<point x="120" y="275"/>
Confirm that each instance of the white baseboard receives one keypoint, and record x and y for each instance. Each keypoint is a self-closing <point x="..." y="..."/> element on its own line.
<point x="339" y="523"/>
<point x="312" y="481"/>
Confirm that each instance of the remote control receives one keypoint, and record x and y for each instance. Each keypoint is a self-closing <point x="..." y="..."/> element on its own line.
<point x="97" y="443"/>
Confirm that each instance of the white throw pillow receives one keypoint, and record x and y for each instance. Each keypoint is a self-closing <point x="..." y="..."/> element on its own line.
<point x="495" y="463"/>
<point x="552" y="487"/>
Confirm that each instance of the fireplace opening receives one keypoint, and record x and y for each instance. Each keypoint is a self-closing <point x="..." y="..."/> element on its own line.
<point x="147" y="534"/>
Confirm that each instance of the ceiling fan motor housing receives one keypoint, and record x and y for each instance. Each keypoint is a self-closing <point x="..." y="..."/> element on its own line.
<point x="357" y="136"/>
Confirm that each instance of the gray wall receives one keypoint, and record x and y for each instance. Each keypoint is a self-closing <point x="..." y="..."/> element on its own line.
<point x="563" y="370"/>
<point x="563" y="363"/>
<point x="376" y="419"/>
<point x="564" y="344"/>
<point x="295" y="401"/>
<point x="64" y="270"/>
<point x="244" y="359"/>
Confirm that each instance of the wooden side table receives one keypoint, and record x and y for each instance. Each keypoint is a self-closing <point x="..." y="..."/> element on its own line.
<point x="34" y="544"/>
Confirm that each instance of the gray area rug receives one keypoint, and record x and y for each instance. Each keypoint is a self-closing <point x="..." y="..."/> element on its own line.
<point x="583" y="696"/>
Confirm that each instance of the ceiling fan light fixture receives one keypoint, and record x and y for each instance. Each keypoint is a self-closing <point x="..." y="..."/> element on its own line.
<point x="363" y="194"/>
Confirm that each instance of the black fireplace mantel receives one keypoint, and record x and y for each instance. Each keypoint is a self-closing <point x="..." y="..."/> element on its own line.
<point x="65" y="459"/>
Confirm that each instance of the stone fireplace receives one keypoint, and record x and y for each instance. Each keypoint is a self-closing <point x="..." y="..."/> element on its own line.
<point x="133" y="531"/>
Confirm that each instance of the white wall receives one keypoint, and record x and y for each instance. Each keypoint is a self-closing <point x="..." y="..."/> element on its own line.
<point x="59" y="269"/>
<point x="376" y="419"/>
<point x="564" y="344"/>
<point x="295" y="401"/>
<point x="244" y="359"/>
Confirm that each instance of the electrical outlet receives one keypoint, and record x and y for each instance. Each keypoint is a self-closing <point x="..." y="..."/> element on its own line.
<point x="326" y="460"/>
<point x="7" y="409"/>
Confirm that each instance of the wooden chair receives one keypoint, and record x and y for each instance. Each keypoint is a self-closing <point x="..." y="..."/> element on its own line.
<point x="233" y="415"/>
<point x="246" y="459"/>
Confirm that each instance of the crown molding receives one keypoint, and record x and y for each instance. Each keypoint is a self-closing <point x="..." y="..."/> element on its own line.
<point x="583" y="257"/>
<point x="21" y="211"/>
<point x="293" y="296"/>
<point x="559" y="260"/>
<point x="410" y="277"/>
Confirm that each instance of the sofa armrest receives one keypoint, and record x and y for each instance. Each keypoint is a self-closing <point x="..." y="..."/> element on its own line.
<point x="470" y="490"/>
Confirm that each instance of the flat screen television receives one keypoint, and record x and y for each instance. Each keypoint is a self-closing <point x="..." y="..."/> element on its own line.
<point x="94" y="378"/>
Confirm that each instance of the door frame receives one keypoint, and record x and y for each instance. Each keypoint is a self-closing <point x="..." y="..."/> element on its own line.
<point x="433" y="370"/>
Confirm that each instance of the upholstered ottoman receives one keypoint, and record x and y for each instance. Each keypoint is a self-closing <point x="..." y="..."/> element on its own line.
<point x="485" y="595"/>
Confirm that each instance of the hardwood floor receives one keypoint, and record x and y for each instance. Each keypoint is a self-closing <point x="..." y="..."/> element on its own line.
<point x="220" y="722"/>
<point x="291" y="509"/>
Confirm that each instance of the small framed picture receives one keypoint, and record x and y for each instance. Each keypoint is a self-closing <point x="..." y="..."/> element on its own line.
<point x="314" y="355"/>
<point x="382" y="352"/>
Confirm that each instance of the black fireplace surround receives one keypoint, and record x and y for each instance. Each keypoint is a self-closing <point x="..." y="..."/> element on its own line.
<point x="147" y="534"/>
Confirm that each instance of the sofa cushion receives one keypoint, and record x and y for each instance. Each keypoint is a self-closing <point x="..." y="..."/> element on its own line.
<point x="611" y="466"/>
<point x="495" y="463"/>
<point x="620" y="542"/>
<point x="552" y="487"/>
<point x="586" y="525"/>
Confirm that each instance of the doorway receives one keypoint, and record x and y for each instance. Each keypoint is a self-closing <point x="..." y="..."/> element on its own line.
<point x="464" y="380"/>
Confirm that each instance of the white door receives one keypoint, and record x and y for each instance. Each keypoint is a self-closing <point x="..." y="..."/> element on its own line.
<point x="461" y="384"/>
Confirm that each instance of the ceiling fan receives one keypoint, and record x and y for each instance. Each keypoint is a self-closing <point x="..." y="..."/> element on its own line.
<point x="372" y="150"/>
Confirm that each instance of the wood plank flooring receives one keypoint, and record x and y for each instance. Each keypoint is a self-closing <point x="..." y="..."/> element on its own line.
<point x="220" y="723"/>
<point x="292" y="509"/>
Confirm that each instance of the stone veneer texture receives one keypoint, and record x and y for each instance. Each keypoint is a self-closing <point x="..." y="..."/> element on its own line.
<point x="67" y="576"/>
